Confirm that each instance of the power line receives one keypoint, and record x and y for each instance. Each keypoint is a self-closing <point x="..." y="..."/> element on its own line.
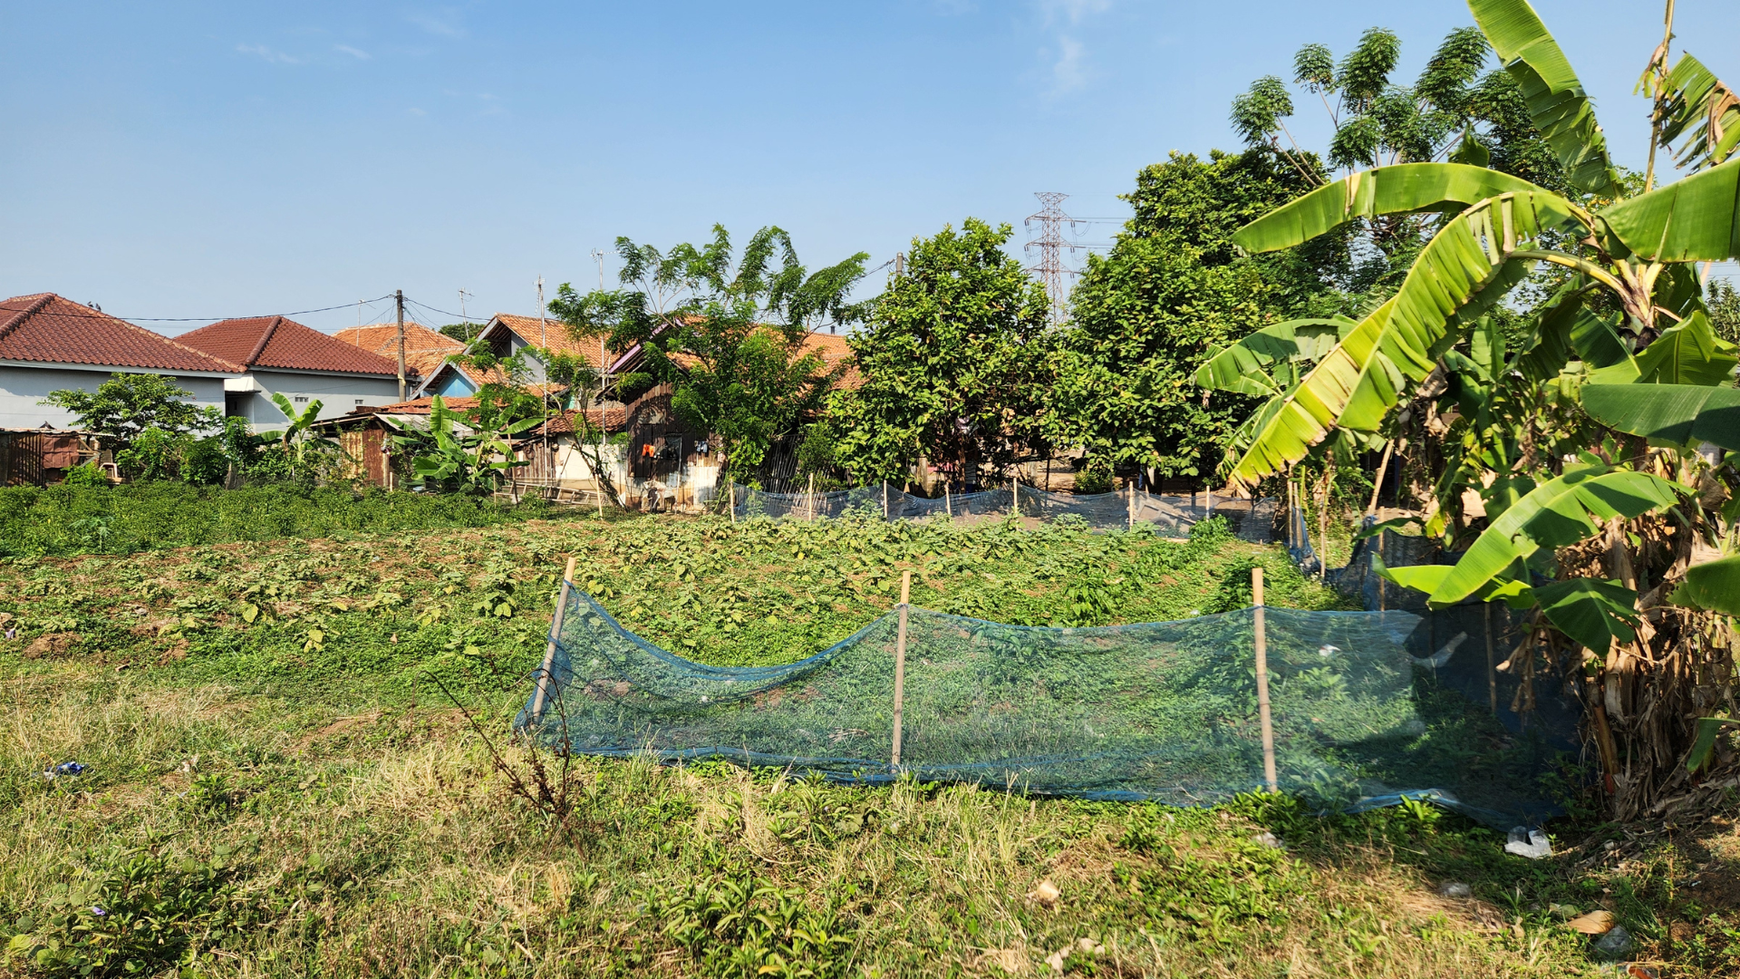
<point x="253" y="316"/>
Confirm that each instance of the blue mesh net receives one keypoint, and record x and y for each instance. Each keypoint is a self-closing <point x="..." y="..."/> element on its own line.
<point x="1367" y="707"/>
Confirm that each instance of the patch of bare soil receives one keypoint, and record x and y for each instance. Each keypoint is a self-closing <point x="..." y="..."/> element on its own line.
<point x="336" y="727"/>
<point x="52" y="645"/>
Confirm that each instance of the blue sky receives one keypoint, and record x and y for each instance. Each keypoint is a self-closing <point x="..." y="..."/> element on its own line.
<point x="203" y="160"/>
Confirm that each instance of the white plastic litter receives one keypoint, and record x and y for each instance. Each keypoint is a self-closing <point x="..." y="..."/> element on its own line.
<point x="1531" y="843"/>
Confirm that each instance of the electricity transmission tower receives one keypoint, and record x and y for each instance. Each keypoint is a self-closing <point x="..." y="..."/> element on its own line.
<point x="1051" y="243"/>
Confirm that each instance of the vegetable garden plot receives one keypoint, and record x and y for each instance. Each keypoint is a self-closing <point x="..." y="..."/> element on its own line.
<point x="1364" y="710"/>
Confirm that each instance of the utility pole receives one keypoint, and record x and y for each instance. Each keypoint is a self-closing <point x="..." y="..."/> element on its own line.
<point x="1051" y="244"/>
<point x="463" y="295"/>
<point x="603" y="357"/>
<point x="399" y="300"/>
<point x="899" y="263"/>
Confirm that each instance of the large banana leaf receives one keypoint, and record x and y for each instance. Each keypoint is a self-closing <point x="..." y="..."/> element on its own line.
<point x="1689" y="352"/>
<point x="1406" y="188"/>
<point x="1558" y="513"/>
<point x="1557" y="104"/>
<point x="1714" y="586"/>
<point x="1592" y="611"/>
<point x="1676" y="414"/>
<point x="1461" y="273"/>
<point x="1248" y="365"/>
<point x="1698" y="103"/>
<point x="1692" y="220"/>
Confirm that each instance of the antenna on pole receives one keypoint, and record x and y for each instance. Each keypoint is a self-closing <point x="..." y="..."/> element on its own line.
<point x="463" y="296"/>
<point x="603" y="357"/>
<point x="1051" y="243"/>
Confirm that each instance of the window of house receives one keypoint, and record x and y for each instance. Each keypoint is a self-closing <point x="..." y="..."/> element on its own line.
<point x="300" y="399"/>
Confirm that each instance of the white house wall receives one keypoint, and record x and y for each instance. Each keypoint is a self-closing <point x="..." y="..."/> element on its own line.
<point x="338" y="395"/>
<point x="22" y="387"/>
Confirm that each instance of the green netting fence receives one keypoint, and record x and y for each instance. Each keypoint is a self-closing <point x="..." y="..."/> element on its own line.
<point x="1168" y="515"/>
<point x="1368" y="707"/>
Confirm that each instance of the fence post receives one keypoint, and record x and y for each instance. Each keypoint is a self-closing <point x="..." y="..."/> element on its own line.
<point x="1015" y="500"/>
<point x="1263" y="716"/>
<point x="550" y="648"/>
<point x="948" y="505"/>
<point x="900" y="662"/>
<point x="731" y="497"/>
<point x="1130" y="506"/>
<point x="885" y="500"/>
<point x="1491" y="663"/>
<point x="812" y="495"/>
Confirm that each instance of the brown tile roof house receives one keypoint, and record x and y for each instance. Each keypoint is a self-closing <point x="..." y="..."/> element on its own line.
<point x="46" y="328"/>
<point x="49" y="343"/>
<point x="550" y="333"/>
<point x="425" y="349"/>
<point x="277" y="342"/>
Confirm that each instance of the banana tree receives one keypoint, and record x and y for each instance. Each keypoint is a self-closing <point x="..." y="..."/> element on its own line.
<point x="451" y="455"/>
<point x="1621" y="362"/>
<point x="299" y="422"/>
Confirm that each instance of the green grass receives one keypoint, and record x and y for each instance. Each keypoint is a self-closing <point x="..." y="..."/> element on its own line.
<point x="69" y="520"/>
<point x="277" y="786"/>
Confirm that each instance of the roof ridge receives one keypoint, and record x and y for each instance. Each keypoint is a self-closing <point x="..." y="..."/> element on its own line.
<point x="25" y="313"/>
<point x="265" y="337"/>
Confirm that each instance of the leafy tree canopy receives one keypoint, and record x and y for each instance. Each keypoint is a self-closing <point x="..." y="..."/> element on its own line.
<point x="127" y="404"/>
<point x="952" y="358"/>
<point x="1172" y="289"/>
<point x="463" y="332"/>
<point x="728" y="331"/>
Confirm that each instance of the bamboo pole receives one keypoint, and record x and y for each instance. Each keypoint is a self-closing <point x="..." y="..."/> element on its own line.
<point x="885" y="499"/>
<point x="1323" y="525"/>
<point x="811" y="493"/>
<point x="550" y="648"/>
<point x="1381" y="596"/>
<point x="1378" y="486"/>
<point x="1015" y="499"/>
<point x="948" y="505"/>
<point x="900" y="662"/>
<point x="1263" y="713"/>
<point x="1130" y="505"/>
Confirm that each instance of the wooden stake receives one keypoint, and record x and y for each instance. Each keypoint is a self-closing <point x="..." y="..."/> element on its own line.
<point x="812" y="495"/>
<point x="1491" y="663"/>
<point x="1378" y="487"/>
<point x="948" y="506"/>
<point x="885" y="499"/>
<point x="900" y="662"/>
<point x="550" y="649"/>
<point x="1323" y="525"/>
<point x="1130" y="505"/>
<point x="1263" y="717"/>
<point x="1015" y="499"/>
<point x="1381" y="535"/>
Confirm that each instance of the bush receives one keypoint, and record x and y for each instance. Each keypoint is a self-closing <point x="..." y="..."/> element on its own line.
<point x="1095" y="476"/>
<point x="89" y="474"/>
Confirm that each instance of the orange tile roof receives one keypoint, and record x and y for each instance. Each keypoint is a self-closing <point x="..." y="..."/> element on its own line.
<point x="833" y="349"/>
<point x="274" y="341"/>
<point x="425" y="349"/>
<point x="46" y="328"/>
<point x="553" y="334"/>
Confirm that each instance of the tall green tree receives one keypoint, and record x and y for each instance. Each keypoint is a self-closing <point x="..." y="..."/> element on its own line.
<point x="1172" y="290"/>
<point x="953" y="362"/>
<point x="728" y="331"/>
<point x="127" y="404"/>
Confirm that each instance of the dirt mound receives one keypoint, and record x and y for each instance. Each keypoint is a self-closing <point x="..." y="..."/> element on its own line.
<point x="52" y="644"/>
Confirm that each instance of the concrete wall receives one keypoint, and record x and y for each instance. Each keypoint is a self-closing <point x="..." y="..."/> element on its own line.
<point x="22" y="387"/>
<point x="338" y="395"/>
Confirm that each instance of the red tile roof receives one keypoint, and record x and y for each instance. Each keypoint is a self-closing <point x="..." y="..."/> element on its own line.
<point x="46" y="328"/>
<point x="425" y="349"/>
<point x="553" y="333"/>
<point x="273" y="341"/>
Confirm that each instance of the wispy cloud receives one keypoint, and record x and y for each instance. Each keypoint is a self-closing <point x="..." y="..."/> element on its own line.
<point x="1070" y="70"/>
<point x="443" y="26"/>
<point x="267" y="54"/>
<point x="1072" y="12"/>
<point x="356" y="53"/>
<point x="1067" y="72"/>
<point x="416" y="111"/>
